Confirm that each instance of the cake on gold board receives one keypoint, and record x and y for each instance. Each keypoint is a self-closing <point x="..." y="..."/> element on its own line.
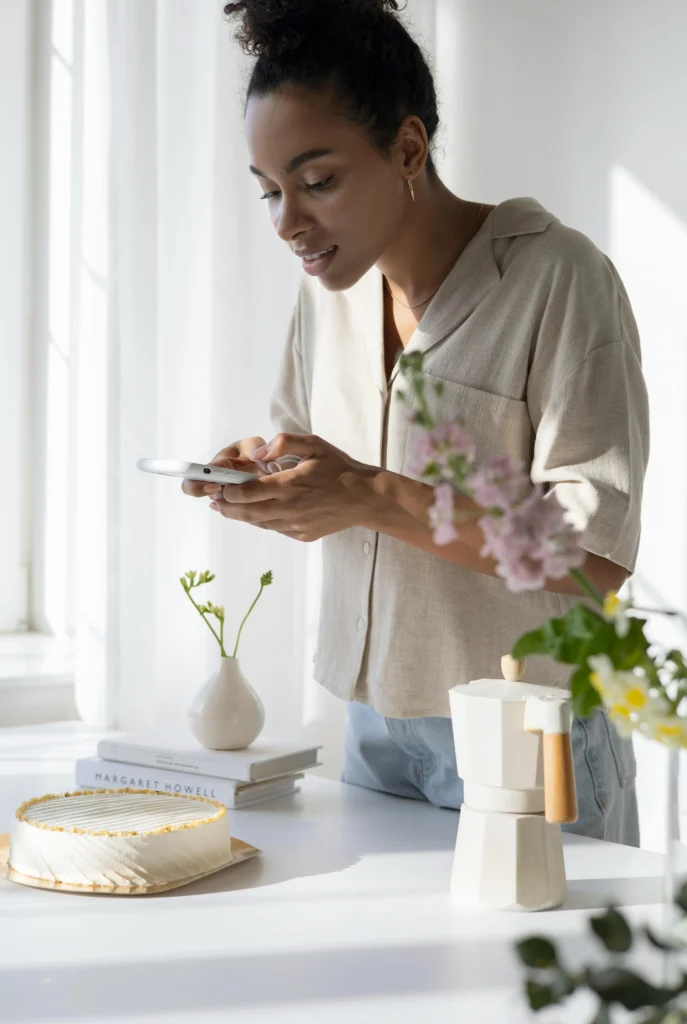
<point x="122" y="841"/>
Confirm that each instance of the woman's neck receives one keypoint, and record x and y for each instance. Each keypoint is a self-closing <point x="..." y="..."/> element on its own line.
<point x="431" y="237"/>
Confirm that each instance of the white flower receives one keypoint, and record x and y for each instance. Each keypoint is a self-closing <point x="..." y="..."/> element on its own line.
<point x="616" y="611"/>
<point x="631" y="705"/>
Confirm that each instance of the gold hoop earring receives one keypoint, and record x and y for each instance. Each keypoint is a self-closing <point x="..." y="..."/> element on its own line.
<point x="412" y="190"/>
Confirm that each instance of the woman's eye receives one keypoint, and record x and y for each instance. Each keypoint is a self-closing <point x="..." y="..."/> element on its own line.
<point x="315" y="186"/>
<point x="321" y="184"/>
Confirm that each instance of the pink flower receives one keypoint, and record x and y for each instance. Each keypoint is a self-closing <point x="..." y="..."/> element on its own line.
<point x="532" y="542"/>
<point x="439" y="446"/>
<point x="500" y="483"/>
<point x="441" y="515"/>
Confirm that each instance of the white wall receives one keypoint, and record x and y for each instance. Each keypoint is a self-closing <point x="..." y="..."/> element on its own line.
<point x="581" y="105"/>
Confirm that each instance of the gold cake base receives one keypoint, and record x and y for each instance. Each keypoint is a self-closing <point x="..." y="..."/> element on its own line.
<point x="241" y="851"/>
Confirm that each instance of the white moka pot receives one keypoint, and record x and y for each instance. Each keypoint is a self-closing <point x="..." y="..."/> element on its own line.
<point x="514" y="755"/>
<point x="226" y="713"/>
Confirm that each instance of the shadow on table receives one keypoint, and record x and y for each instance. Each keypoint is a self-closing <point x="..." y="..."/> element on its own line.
<point x="597" y="893"/>
<point x="177" y="985"/>
<point x="328" y="838"/>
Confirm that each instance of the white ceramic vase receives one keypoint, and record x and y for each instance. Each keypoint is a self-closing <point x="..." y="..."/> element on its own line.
<point x="226" y="713"/>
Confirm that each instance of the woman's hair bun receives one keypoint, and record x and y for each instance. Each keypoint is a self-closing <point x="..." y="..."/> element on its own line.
<point x="276" y="28"/>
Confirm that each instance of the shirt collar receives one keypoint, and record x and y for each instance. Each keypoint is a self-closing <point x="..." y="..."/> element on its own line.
<point x="519" y="217"/>
<point x="472" y="277"/>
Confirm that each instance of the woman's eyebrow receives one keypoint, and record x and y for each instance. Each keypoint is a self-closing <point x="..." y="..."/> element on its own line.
<point x="296" y="161"/>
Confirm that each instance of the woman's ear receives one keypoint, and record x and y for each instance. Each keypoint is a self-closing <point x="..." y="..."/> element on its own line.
<point x="411" y="148"/>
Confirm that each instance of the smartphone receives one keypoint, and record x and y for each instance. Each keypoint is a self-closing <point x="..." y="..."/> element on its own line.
<point x="214" y="474"/>
<point x="195" y="471"/>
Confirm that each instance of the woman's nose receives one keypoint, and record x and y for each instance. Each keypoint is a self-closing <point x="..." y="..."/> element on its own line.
<point x="291" y="221"/>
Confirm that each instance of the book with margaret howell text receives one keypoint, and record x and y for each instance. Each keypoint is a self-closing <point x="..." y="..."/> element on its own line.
<point x="263" y="759"/>
<point x="96" y="773"/>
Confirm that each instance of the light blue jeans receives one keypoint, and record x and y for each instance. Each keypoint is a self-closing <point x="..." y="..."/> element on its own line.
<point x="415" y="758"/>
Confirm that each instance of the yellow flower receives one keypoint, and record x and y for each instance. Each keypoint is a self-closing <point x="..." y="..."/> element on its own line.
<point x="626" y="696"/>
<point x="617" y="687"/>
<point x="619" y="715"/>
<point x="667" y="729"/>
<point x="611" y="603"/>
<point x="637" y="697"/>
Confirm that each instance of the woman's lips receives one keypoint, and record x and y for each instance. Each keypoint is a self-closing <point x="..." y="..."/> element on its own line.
<point x="318" y="262"/>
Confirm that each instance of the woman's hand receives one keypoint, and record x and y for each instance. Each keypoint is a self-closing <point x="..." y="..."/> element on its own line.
<point x="320" y="496"/>
<point x="234" y="456"/>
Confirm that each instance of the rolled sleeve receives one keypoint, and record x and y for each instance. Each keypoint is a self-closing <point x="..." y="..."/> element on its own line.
<point x="592" y="447"/>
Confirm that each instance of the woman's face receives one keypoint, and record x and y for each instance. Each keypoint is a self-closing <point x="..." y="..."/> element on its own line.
<point x="328" y="189"/>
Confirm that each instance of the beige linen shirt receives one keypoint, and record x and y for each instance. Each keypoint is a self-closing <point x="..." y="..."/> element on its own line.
<point x="533" y="337"/>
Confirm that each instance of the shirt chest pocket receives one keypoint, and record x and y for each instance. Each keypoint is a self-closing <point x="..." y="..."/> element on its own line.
<point x="499" y="425"/>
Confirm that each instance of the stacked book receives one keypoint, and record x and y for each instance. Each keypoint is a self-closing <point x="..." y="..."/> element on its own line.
<point x="174" y="765"/>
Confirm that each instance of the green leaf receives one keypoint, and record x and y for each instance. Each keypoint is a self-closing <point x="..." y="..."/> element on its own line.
<point x="439" y="387"/>
<point x="566" y="639"/>
<point x="629" y="651"/>
<point x="603" y="1015"/>
<point x="544" y="640"/>
<point x="618" y="985"/>
<point x="266" y="578"/>
<point x="613" y="930"/>
<point x="662" y="944"/>
<point x="681" y="897"/>
<point x="539" y="995"/>
<point x="583" y="622"/>
<point x="412" y="361"/>
<point x="537" y="951"/>
<point x="663" y="1017"/>
<point x="584" y="697"/>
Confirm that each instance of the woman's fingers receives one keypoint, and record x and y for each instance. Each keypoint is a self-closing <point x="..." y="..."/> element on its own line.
<point x="227" y="459"/>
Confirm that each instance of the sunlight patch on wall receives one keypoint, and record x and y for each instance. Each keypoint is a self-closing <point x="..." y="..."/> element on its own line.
<point x="648" y="244"/>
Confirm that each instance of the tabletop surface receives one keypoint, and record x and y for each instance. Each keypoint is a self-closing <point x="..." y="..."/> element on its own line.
<point x="346" y="916"/>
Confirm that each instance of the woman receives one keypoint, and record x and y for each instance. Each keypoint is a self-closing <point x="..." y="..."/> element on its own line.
<point x="528" y="327"/>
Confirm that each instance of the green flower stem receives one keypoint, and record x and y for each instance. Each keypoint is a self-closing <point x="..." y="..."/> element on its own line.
<point x="587" y="586"/>
<point x="418" y="386"/>
<point x="425" y="409"/>
<point x="262" y="587"/>
<point x="219" y="641"/>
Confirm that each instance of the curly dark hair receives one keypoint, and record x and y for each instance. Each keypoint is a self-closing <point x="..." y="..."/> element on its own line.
<point x="378" y="71"/>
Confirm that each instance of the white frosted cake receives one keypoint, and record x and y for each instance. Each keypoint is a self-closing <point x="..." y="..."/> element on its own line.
<point x="115" y="837"/>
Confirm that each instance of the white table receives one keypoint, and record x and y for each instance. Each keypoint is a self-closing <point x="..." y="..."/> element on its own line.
<point x="346" y="917"/>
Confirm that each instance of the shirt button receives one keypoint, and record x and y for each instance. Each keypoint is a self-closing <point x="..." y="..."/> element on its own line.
<point x="366" y="547"/>
<point x="361" y="625"/>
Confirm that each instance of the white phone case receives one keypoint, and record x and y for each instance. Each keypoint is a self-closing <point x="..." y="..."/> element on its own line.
<point x="195" y="471"/>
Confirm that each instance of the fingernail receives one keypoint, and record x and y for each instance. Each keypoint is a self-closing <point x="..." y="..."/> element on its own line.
<point x="214" y="506"/>
<point x="211" y="488"/>
<point x="260" y="452"/>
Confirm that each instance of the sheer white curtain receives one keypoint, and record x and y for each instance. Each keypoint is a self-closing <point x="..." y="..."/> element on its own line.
<point x="198" y="293"/>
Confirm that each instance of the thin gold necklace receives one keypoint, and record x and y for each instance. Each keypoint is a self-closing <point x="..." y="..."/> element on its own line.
<point x="417" y="304"/>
